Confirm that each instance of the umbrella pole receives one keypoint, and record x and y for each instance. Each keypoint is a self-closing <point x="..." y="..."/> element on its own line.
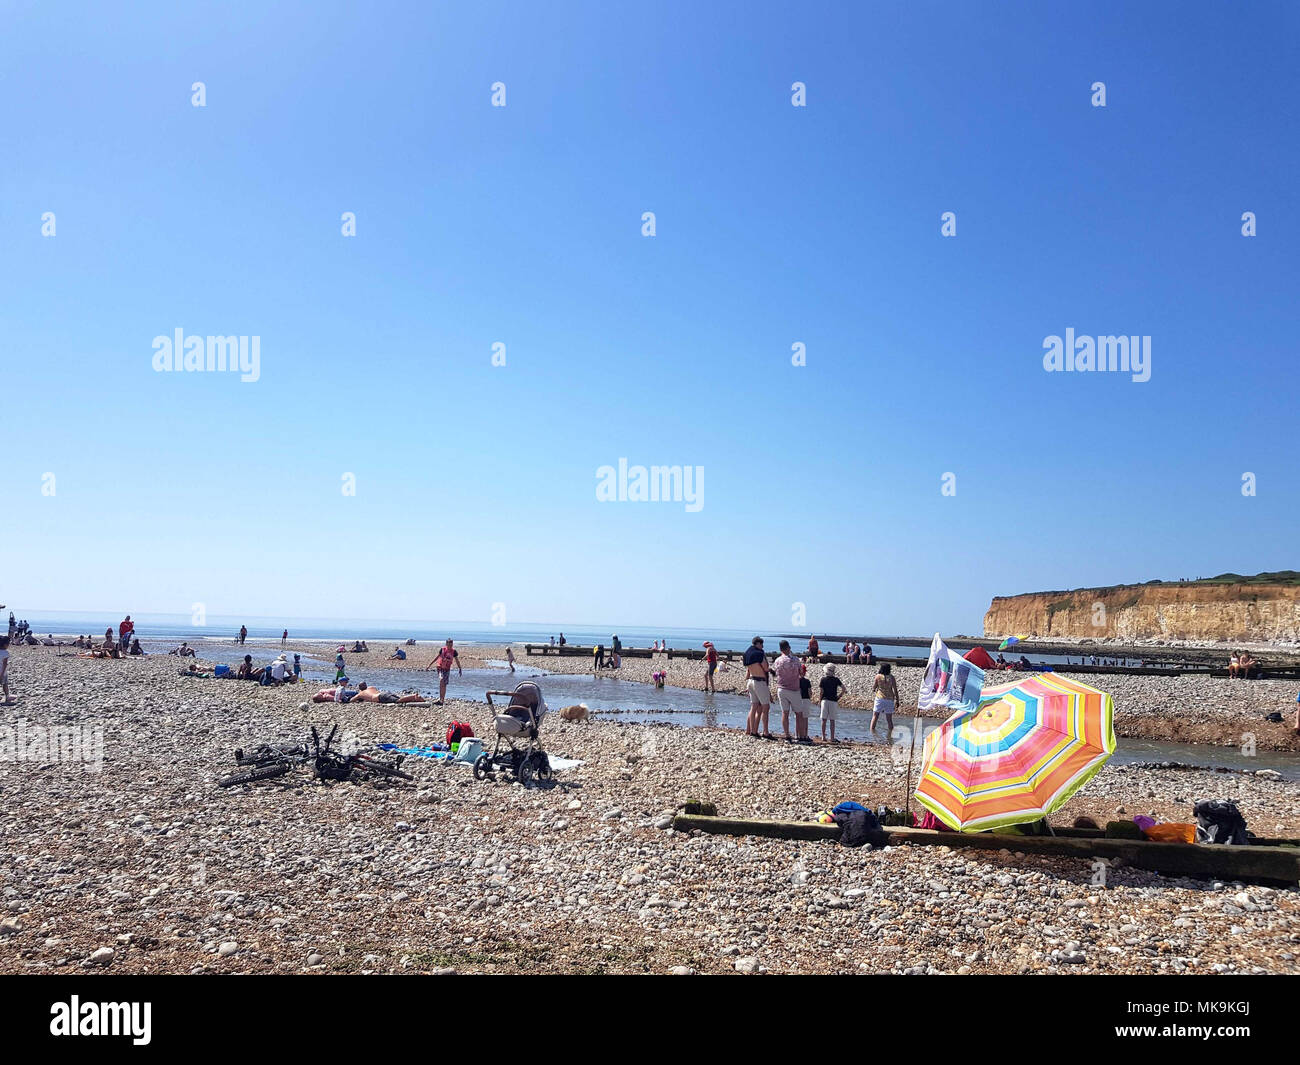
<point x="907" y="796"/>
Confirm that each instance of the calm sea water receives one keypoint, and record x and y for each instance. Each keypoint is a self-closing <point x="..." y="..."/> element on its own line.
<point x="378" y="633"/>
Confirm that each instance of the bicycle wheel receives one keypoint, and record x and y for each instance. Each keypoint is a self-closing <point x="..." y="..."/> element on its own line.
<point x="249" y="776"/>
<point x="374" y="766"/>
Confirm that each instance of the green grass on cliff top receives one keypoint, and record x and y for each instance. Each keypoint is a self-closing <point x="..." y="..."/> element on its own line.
<point x="1283" y="577"/>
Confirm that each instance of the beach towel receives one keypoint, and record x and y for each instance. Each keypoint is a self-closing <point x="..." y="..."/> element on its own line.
<point x="420" y="752"/>
<point x="949" y="681"/>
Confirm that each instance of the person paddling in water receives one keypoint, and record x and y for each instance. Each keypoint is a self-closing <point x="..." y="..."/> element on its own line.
<point x="885" y="688"/>
<point x="447" y="658"/>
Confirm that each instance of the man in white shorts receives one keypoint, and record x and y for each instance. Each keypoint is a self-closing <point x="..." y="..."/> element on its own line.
<point x="787" y="668"/>
<point x="760" y="692"/>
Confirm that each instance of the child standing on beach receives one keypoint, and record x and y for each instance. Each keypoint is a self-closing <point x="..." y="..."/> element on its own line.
<point x="831" y="686"/>
<point x="297" y="668"/>
<point x="510" y="657"/>
<point x="4" y="669"/>
<point x="338" y="667"/>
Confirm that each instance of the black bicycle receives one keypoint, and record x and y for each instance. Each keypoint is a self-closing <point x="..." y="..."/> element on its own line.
<point x="265" y="763"/>
<point x="331" y="765"/>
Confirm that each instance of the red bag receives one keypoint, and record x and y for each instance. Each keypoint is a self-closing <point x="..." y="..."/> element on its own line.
<point x="457" y="731"/>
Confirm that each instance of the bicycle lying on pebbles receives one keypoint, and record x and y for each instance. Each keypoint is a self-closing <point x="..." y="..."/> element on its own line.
<point x="269" y="761"/>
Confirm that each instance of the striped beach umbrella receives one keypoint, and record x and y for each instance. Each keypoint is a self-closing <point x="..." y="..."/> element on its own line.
<point x="1020" y="754"/>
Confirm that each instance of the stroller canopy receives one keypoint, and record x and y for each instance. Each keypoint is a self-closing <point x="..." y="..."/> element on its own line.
<point x="527" y="694"/>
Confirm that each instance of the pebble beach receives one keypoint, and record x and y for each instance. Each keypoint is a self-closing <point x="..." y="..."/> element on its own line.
<point x="133" y="860"/>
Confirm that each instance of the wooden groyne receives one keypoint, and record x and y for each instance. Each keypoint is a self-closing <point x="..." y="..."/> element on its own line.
<point x="1271" y="862"/>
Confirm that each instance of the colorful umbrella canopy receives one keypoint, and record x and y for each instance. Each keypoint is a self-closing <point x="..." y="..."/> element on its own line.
<point x="1019" y="755"/>
<point x="1010" y="641"/>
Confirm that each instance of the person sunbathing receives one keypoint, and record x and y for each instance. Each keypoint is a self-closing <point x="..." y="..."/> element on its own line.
<point x="340" y="694"/>
<point x="374" y="695"/>
<point x="248" y="671"/>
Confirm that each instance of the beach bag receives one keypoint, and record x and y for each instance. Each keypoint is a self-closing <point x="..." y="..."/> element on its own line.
<point x="854" y="825"/>
<point x="1219" y="821"/>
<point x="457" y="731"/>
<point x="469" y="750"/>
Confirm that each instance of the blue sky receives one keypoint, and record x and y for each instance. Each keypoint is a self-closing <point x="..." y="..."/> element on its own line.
<point x="522" y="225"/>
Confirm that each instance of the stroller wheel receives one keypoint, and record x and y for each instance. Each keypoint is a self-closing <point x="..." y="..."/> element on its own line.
<point x="543" y="765"/>
<point x="524" y="772"/>
<point x="482" y="766"/>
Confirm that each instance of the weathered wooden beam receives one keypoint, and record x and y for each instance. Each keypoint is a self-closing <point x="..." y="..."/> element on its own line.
<point x="1272" y="864"/>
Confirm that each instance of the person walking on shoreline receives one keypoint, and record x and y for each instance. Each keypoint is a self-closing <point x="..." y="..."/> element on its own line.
<point x="125" y="631"/>
<point x="4" y="670"/>
<point x="885" y="689"/>
<point x="447" y="658"/>
<point x="243" y="634"/>
<point x="510" y="657"/>
<point x="710" y="666"/>
<point x="759" y="688"/>
<point x="832" y="687"/>
<point x="786" y="668"/>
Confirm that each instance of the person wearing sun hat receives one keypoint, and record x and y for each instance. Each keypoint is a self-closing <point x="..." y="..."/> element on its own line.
<point x="710" y="665"/>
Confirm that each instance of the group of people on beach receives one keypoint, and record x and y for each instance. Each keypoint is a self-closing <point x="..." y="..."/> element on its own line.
<point x="1242" y="665"/>
<point x="794" y="693"/>
<point x="615" y="660"/>
<point x="855" y="653"/>
<point x="127" y="643"/>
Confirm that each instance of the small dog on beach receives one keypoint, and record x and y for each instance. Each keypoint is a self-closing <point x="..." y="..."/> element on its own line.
<point x="577" y="712"/>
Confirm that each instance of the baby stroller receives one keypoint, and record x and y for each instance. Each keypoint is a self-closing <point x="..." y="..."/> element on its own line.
<point x="517" y="750"/>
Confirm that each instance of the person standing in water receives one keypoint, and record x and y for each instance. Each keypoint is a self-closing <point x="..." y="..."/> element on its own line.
<point x="885" y="689"/>
<point x="447" y="658"/>
<point x="510" y="657"/>
<point x="760" y="691"/>
<point x="710" y="666"/>
<point x="832" y="687"/>
<point x="243" y="634"/>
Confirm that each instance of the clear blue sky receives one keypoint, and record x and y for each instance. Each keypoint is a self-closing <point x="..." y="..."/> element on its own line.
<point x="522" y="224"/>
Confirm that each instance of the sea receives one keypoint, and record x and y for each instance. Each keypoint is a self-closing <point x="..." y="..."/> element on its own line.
<point x="62" y="624"/>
